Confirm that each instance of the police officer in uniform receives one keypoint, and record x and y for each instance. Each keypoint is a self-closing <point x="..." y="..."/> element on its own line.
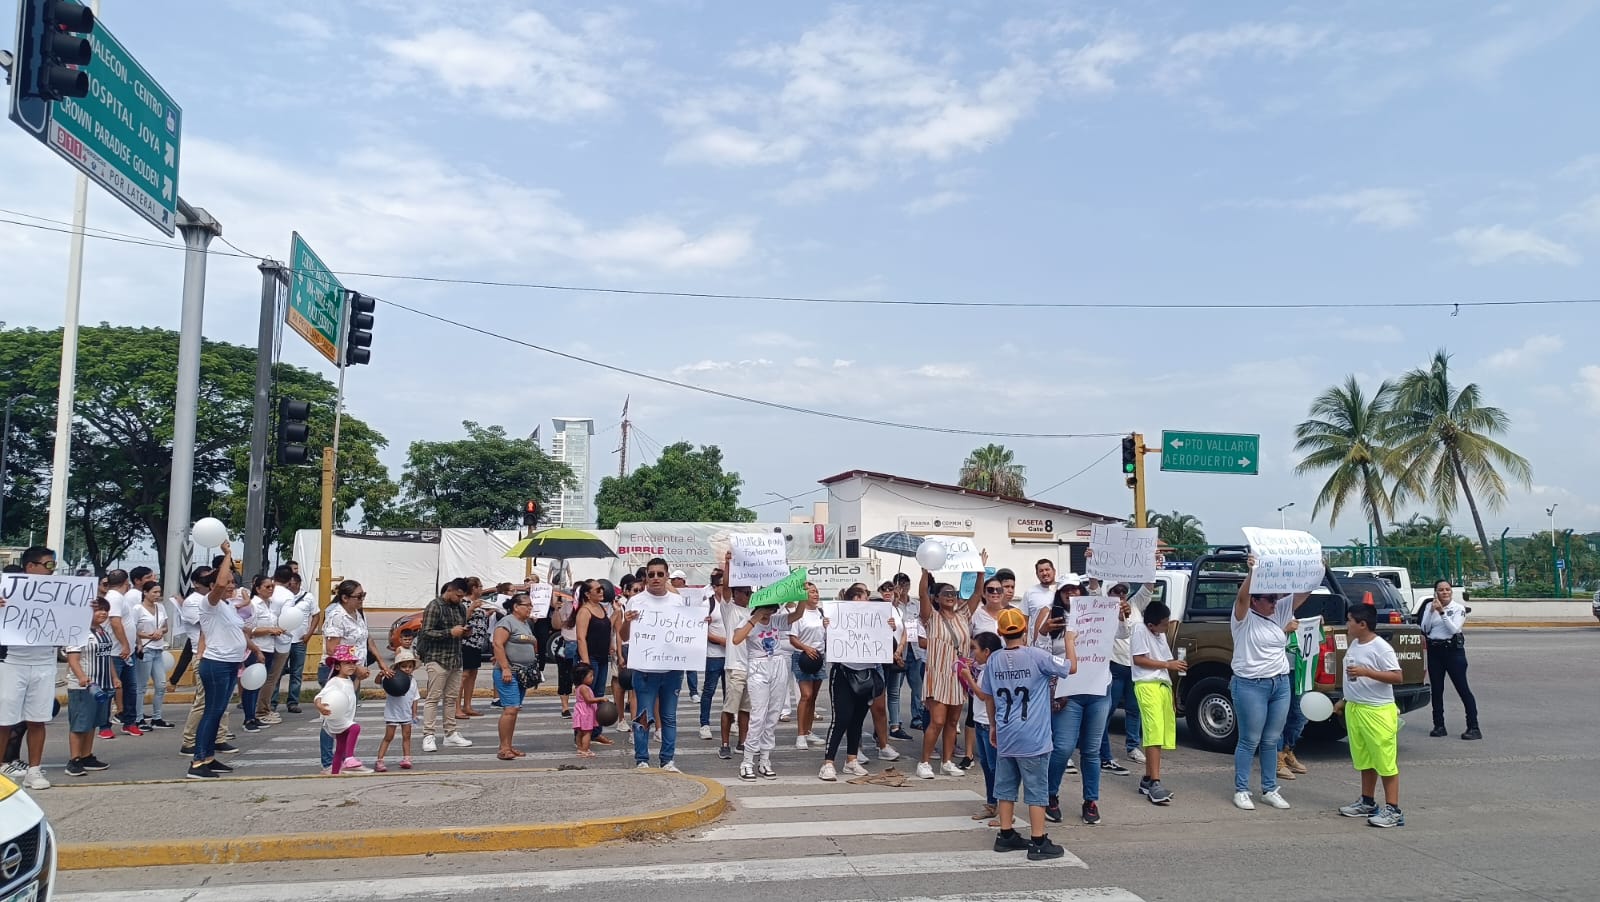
<point x="1442" y="620"/>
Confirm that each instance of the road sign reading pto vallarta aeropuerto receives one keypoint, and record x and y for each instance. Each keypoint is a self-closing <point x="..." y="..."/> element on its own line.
<point x="124" y="134"/>
<point x="316" y="300"/>
<point x="1210" y="452"/>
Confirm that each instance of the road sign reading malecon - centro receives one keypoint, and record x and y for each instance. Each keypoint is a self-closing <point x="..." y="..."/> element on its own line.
<point x="1210" y="452"/>
<point x="316" y="300"/>
<point x="124" y="135"/>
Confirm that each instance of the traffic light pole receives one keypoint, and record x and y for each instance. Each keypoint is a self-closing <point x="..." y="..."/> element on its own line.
<point x="1139" y="510"/>
<point x="255" y="517"/>
<point x="330" y="459"/>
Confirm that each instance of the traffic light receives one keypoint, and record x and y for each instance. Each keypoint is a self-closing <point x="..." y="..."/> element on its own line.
<point x="530" y="514"/>
<point x="1130" y="461"/>
<point x="358" y="340"/>
<point x="52" y="47"/>
<point x="293" y="430"/>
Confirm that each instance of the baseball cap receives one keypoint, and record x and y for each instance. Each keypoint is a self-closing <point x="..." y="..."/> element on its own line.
<point x="678" y="574"/>
<point x="1011" y="622"/>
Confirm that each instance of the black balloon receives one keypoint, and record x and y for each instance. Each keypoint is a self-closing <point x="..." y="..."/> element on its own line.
<point x="397" y="683"/>
<point x="605" y="713"/>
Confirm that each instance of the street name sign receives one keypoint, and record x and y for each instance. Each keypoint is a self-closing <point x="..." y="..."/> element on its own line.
<point x="124" y="135"/>
<point x="316" y="299"/>
<point x="1210" y="452"/>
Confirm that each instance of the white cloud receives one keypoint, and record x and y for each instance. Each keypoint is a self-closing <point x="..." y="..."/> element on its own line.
<point x="840" y="177"/>
<point x="1589" y="385"/>
<point x="307" y="26"/>
<point x="1543" y="23"/>
<point x="727" y="145"/>
<point x="935" y="202"/>
<point x="1092" y="67"/>
<point x="1499" y="244"/>
<point x="944" y="371"/>
<point x="1385" y="208"/>
<point x="1190" y="56"/>
<point x="1527" y="352"/>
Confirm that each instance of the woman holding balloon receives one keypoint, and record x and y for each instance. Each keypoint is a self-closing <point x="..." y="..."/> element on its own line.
<point x="947" y="622"/>
<point x="263" y="633"/>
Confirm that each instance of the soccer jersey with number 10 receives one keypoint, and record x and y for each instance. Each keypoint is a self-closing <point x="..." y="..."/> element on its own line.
<point x="1019" y="680"/>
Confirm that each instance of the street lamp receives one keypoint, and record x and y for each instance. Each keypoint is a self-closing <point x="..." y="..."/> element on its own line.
<point x="1551" y="511"/>
<point x="1283" y="518"/>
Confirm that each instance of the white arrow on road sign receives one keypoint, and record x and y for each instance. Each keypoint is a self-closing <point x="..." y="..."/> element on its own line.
<point x="170" y="151"/>
<point x="166" y="187"/>
<point x="1244" y="461"/>
<point x="1177" y="443"/>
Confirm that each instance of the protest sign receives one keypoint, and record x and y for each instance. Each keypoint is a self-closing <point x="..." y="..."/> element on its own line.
<point x="695" y="595"/>
<point x="962" y="553"/>
<point x="790" y="589"/>
<point x="858" y="632"/>
<point x="1287" y="561"/>
<point x="1120" y="554"/>
<point x="539" y="594"/>
<point x="668" y="635"/>
<point x="1094" y="624"/>
<point x="759" y="559"/>
<point x="46" y="610"/>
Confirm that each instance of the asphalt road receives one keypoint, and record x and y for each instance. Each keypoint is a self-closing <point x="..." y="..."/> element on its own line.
<point x="1502" y="819"/>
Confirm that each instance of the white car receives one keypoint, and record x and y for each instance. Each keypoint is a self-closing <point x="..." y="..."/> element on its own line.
<point x="27" y="848"/>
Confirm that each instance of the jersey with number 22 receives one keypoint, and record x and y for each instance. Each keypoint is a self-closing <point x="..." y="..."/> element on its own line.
<point x="1019" y="681"/>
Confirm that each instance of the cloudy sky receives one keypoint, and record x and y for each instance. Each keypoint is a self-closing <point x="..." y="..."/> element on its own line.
<point x="1355" y="154"/>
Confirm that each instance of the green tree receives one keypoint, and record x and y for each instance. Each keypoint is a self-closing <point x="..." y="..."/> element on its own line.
<point x="682" y="486"/>
<point x="481" y="481"/>
<point x="1345" y="435"/>
<point x="1441" y="436"/>
<point x="1181" y="531"/>
<point x="993" y="468"/>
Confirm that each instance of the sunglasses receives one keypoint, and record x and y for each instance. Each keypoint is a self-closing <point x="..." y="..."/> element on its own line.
<point x="44" y="565"/>
<point x="948" y="593"/>
<point x="994" y="590"/>
<point x="359" y="595"/>
<point x="655" y="576"/>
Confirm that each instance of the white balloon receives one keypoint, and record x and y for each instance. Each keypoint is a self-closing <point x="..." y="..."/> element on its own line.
<point x="931" y="555"/>
<point x="254" y="677"/>
<point x="209" y="532"/>
<point x="1316" y="706"/>
<point x="339" y="705"/>
<point x="291" y="619"/>
<point x="169" y="662"/>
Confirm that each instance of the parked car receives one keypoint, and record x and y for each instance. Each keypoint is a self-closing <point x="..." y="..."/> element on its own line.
<point x="408" y="625"/>
<point x="1381" y="594"/>
<point x="27" y="848"/>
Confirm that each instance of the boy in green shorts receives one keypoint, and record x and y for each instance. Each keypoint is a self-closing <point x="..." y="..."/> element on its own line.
<point x="1152" y="686"/>
<point x="1371" y="671"/>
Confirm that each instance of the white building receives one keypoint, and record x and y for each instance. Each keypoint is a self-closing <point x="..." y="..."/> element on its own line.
<point x="570" y="444"/>
<point x="1015" y="531"/>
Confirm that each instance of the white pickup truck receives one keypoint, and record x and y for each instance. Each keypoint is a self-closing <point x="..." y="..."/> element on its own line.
<point x="27" y="848"/>
<point x="1399" y="577"/>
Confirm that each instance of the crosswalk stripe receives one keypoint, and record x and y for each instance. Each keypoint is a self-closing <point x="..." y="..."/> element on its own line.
<point x="1084" y="894"/>
<point x="842" y="799"/>
<point x="898" y="826"/>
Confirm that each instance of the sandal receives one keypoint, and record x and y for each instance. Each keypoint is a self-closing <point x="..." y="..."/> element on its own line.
<point x="603" y="740"/>
<point x="506" y="756"/>
<point x="519" y="753"/>
<point x="988" y="811"/>
<point x="586" y="755"/>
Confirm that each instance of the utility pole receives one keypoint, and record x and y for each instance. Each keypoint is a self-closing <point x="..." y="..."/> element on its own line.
<point x="255" y="518"/>
<point x="622" y="466"/>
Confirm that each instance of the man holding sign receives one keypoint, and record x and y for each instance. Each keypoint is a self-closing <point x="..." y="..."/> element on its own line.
<point x="657" y="662"/>
<point x="28" y="672"/>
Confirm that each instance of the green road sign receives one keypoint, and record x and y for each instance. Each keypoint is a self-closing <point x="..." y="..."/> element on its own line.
<point x="1210" y="452"/>
<point x="124" y="135"/>
<point x="316" y="300"/>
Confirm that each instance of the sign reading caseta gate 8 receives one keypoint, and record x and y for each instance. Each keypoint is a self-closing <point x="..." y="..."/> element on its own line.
<point x="1031" y="528"/>
<point x="316" y="300"/>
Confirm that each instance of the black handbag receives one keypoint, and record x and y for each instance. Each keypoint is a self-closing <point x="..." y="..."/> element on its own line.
<point x="865" y="683"/>
<point x="526" y="675"/>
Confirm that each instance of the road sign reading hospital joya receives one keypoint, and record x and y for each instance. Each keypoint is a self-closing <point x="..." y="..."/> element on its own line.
<point x="1210" y="452"/>
<point x="316" y="300"/>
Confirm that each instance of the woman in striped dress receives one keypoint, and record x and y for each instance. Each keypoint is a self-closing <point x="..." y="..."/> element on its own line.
<point x="947" y="622"/>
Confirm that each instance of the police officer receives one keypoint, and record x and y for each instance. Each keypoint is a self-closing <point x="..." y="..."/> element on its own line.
<point x="1442" y="620"/>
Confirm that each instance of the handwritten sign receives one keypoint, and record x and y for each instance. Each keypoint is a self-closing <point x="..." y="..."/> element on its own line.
<point x="759" y="559"/>
<point x="1287" y="560"/>
<point x="790" y="589"/>
<point x="667" y="636"/>
<point x="1121" y="554"/>
<point x="1094" y="624"/>
<point x="695" y="595"/>
<point x="46" y="610"/>
<point x="858" y="632"/>
<point x="962" y="553"/>
<point x="539" y="594"/>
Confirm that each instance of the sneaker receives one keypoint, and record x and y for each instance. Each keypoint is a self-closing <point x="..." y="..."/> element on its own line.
<point x="738" y="748"/>
<point x="160" y="724"/>
<point x="863" y="757"/>
<point x="132" y="729"/>
<point x="1136" y="756"/>
<point x="1276" y="800"/>
<point x="949" y="769"/>
<point x="107" y="734"/>
<point x="965" y="763"/>
<point x="1042" y="849"/>
<point x="429" y="744"/>
<point x="1471" y="734"/>
<point x="888" y="753"/>
<point x="16" y="770"/>
<point x="766" y="771"/>
<point x="656" y="735"/>
<point x="1241" y="801"/>
<point x="566" y="712"/>
<point x="671" y="767"/>
<point x="202" y="772"/>
<point x="379" y="767"/>
<point x="226" y="747"/>
<point x="1016" y="842"/>
<point x="90" y="762"/>
<point x="271" y="718"/>
<point x="75" y="768"/>
<point x="186" y="751"/>
<point x="800" y="743"/>
<point x="854" y="768"/>
<point x="694" y="697"/>
<point x="705" y="731"/>
<point x="458" y="741"/>
<point x="900" y="734"/>
<point x="1438" y="731"/>
<point x="219" y="768"/>
<point x="354" y="766"/>
<point x="1156" y="793"/>
<point x="1072" y="766"/>
<point x="1114" y="766"/>
<point x="1387" y="816"/>
<point x="828" y="773"/>
<point x="1091" y="813"/>
<point x="924" y="770"/>
<point x="642" y="765"/>
<point x="725" y="752"/>
<point x="1052" y="811"/>
<point x="294" y="709"/>
<point x="143" y="724"/>
<point x="252" y="726"/>
<point x="405" y="763"/>
<point x="785" y="716"/>
<point x="1359" y="808"/>
<point x="747" y="772"/>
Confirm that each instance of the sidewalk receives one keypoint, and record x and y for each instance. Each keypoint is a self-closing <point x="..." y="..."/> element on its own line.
<point x="240" y="819"/>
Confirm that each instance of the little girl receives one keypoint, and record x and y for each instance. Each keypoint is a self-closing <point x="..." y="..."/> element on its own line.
<point x="398" y="713"/>
<point x="341" y="690"/>
<point x="583" y="712"/>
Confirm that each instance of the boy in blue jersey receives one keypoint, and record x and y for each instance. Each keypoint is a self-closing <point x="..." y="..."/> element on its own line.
<point x="1017" y="681"/>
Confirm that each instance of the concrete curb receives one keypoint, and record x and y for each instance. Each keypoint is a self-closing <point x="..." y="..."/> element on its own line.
<point x="393" y="843"/>
<point x="1532" y="624"/>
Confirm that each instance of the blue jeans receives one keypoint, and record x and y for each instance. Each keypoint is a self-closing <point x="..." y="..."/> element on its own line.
<point x="1294" y="725"/>
<point x="913" y="675"/>
<point x="986" y="759"/>
<point x="1121" y="693"/>
<point x="127" y="673"/>
<point x="694" y="682"/>
<point x="147" y="668"/>
<point x="648" y="688"/>
<point x="714" y="676"/>
<point x="294" y="669"/>
<point x="325" y="744"/>
<point x="218" y="677"/>
<point x="1080" y="725"/>
<point x="1262" y="708"/>
<point x="249" y="699"/>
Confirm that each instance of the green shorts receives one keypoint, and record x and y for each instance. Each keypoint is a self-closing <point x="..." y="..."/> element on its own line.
<point x="1374" y="737"/>
<point x="1159" y="721"/>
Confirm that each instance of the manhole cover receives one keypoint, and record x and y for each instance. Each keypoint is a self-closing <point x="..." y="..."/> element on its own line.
<point x="433" y="792"/>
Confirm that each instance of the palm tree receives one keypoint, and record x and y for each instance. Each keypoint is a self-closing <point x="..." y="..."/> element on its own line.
<point x="1442" y="439"/>
<point x="1177" y="529"/>
<point x="993" y="468"/>
<point x="1345" y="434"/>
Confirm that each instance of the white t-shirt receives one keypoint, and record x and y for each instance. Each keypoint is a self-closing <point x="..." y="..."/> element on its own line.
<point x="984" y="622"/>
<point x="223" y="628"/>
<point x="765" y="641"/>
<point x="265" y="616"/>
<point x="283" y="598"/>
<point x="1378" y="655"/>
<point x="1443" y="626"/>
<point x="1036" y="600"/>
<point x="1260" y="644"/>
<point x="123" y="610"/>
<point x="808" y="629"/>
<point x="150" y="621"/>
<point x="909" y="617"/>
<point x="1143" y="641"/>
<point x="734" y="617"/>
<point x="341" y="686"/>
<point x="1120" y="652"/>
<point x="398" y="708"/>
<point x="189" y="615"/>
<point x="716" y="628"/>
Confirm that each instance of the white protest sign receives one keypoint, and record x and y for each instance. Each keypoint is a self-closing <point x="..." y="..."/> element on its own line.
<point x="695" y="595"/>
<point x="858" y="632"/>
<point x="46" y="610"/>
<point x="759" y="558"/>
<point x="1120" y="554"/>
<point x="1287" y="561"/>
<point x="668" y="635"/>
<point x="539" y="594"/>
<point x="1094" y="624"/>
<point x="962" y="554"/>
